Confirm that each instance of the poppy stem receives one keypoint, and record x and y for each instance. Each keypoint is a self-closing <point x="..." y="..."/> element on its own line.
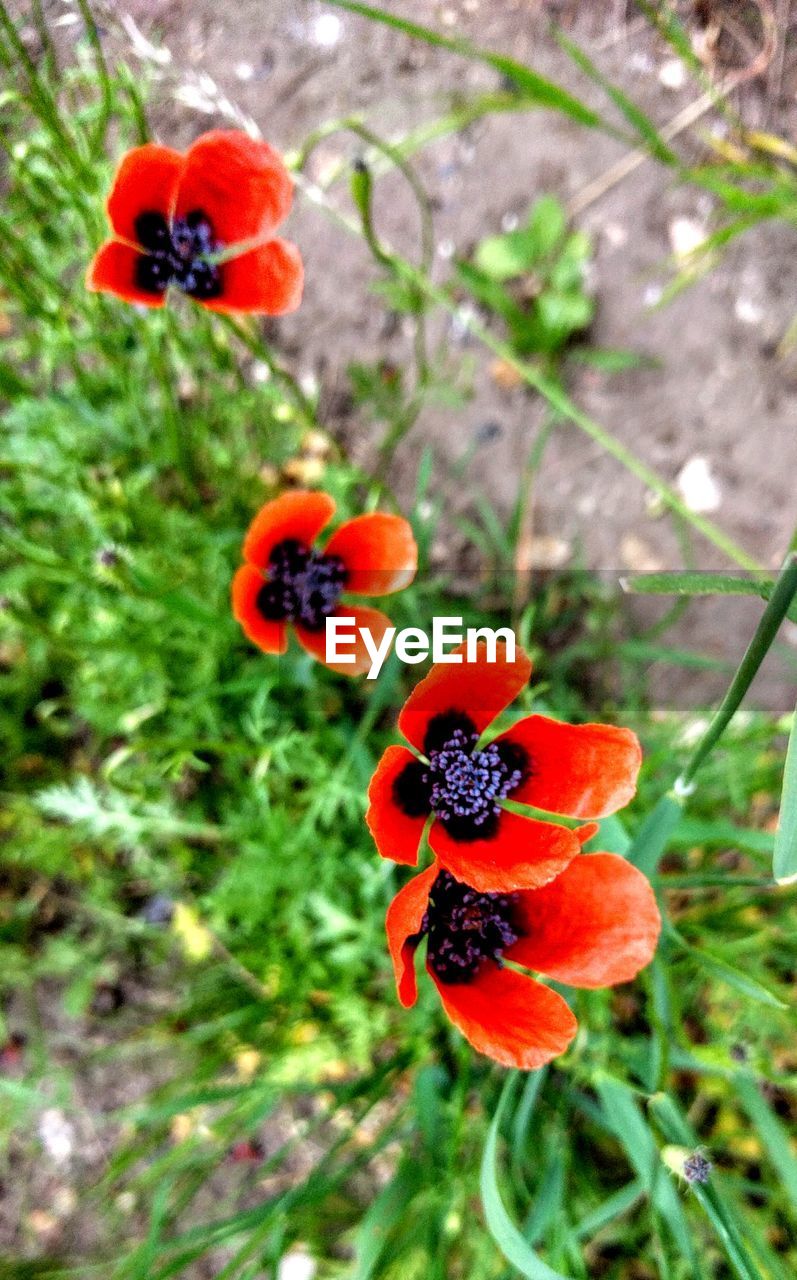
<point x="180" y="450"/>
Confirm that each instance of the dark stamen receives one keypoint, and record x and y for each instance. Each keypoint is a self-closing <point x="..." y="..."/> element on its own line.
<point x="465" y="929"/>
<point x="466" y="786"/>
<point x="177" y="255"/>
<point x="303" y="585"/>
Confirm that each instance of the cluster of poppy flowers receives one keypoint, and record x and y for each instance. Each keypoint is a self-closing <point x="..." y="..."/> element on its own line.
<point x="507" y="890"/>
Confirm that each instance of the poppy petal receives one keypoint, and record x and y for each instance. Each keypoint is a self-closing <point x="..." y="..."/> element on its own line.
<point x="379" y="553"/>
<point x="238" y="182"/>
<point x="113" y="270"/>
<point x="597" y="924"/>
<point x="509" y="1017"/>
<point x="265" y="281"/>
<point x="396" y="832"/>
<point x="403" y="922"/>
<point x="146" y="182"/>
<point x="584" y="771"/>
<point x="300" y="514"/>
<point x="371" y="620"/>
<point x="523" y="854"/>
<point x="479" y="690"/>
<point x="271" y="637"/>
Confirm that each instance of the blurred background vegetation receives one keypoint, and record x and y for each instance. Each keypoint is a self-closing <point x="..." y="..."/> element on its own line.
<point x="203" y="1068"/>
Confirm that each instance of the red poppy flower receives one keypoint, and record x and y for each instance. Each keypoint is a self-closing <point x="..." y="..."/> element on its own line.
<point x="583" y="771"/>
<point x="595" y="925"/>
<point x="285" y="581"/>
<point x="172" y="215"/>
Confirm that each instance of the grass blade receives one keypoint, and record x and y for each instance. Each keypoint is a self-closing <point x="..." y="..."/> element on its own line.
<point x="530" y="86"/>
<point x="506" y="1234"/>
<point x="774" y="1137"/>
<point x="639" y="121"/>
<point x="784" y="858"/>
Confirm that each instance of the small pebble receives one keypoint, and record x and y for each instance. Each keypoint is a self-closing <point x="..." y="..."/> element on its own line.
<point x="326" y="30"/>
<point x="672" y="74"/>
<point x="697" y="486"/>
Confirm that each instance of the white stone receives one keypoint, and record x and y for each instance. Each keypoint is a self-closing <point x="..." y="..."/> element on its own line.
<point x="57" y="1135"/>
<point x="326" y="30"/>
<point x="296" y="1265"/>
<point x="672" y="74"/>
<point x="697" y="486"/>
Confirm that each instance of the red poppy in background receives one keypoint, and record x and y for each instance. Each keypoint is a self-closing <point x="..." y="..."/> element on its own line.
<point x="286" y="581"/>
<point x="579" y="771"/>
<point x="595" y="925"/>
<point x="172" y="214"/>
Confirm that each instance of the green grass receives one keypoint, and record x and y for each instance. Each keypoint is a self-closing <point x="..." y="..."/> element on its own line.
<point x="152" y="754"/>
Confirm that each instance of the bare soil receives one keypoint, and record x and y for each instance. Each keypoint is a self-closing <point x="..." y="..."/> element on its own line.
<point x="714" y="387"/>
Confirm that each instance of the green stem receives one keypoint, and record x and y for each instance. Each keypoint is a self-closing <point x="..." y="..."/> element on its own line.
<point x="181" y="454"/>
<point x="772" y="617"/>
<point x="102" y="73"/>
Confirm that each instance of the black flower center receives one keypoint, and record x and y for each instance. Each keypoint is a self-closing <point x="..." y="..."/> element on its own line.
<point x="302" y="586"/>
<point x="465" y="929"/>
<point x="177" y="254"/>
<point x="465" y="784"/>
<point x="462" y="787"/>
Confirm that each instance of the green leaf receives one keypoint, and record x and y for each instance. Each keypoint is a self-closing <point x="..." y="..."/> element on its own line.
<point x="697" y="584"/>
<point x="610" y="359"/>
<point x="612" y="837"/>
<point x="547" y="223"/>
<point x="774" y="1137"/>
<point x="784" y="858"/>
<point x="385" y="1213"/>
<point x="564" y="313"/>
<point x="653" y="836"/>
<point x="505" y="257"/>
<point x="507" y="1236"/>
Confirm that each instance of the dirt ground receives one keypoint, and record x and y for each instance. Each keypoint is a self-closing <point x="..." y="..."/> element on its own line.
<point x="714" y="390"/>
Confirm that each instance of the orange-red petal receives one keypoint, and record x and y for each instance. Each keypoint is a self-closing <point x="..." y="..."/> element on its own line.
<point x="238" y="182"/>
<point x="379" y="552"/>
<point x="146" y="181"/>
<point x="265" y="281"/>
<point x="509" y="1017"/>
<point x="480" y="690"/>
<point x="315" y="642"/>
<point x="113" y="270"/>
<point x="597" y="924"/>
<point x="523" y="854"/>
<point x="585" y="770"/>
<point x="299" y="514"/>
<point x="403" y="921"/>
<point x="271" y="637"/>
<point x="397" y="835"/>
